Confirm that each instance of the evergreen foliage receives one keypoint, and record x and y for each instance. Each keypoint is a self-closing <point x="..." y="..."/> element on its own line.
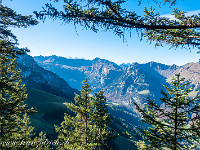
<point x="102" y="119"/>
<point x="113" y="15"/>
<point x="41" y="142"/>
<point x="25" y="133"/>
<point x="174" y="124"/>
<point x="88" y="129"/>
<point x="12" y="96"/>
<point x="14" y="122"/>
<point x="9" y="18"/>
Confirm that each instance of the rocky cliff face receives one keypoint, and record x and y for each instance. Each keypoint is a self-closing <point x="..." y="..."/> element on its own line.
<point x="162" y="69"/>
<point x="121" y="84"/>
<point x="37" y="77"/>
<point x="71" y="70"/>
<point x="100" y="72"/>
<point x="191" y="73"/>
<point x="135" y="84"/>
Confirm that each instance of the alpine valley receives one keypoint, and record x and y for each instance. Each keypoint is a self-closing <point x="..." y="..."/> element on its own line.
<point x="52" y="80"/>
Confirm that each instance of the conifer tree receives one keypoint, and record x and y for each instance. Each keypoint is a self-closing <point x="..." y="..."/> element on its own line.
<point x="9" y="18"/>
<point x="89" y="128"/>
<point x="174" y="124"/>
<point x="25" y="133"/>
<point x="115" y="16"/>
<point x="14" y="122"/>
<point x="75" y="132"/>
<point x="102" y="119"/>
<point x="12" y="96"/>
<point x="41" y="142"/>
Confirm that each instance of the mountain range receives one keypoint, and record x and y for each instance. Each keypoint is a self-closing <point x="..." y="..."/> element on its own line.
<point x="52" y="80"/>
<point x="122" y="84"/>
<point x="48" y="93"/>
<point x="39" y="78"/>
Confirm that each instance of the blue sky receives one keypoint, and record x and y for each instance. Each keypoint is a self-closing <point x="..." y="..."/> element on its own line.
<point x="55" y="38"/>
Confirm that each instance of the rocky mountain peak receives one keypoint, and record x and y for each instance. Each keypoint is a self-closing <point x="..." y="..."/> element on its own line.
<point x="123" y="84"/>
<point x="193" y="67"/>
<point x="37" y="77"/>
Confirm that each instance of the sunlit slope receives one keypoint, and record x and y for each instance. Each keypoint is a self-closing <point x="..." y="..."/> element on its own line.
<point x="50" y="109"/>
